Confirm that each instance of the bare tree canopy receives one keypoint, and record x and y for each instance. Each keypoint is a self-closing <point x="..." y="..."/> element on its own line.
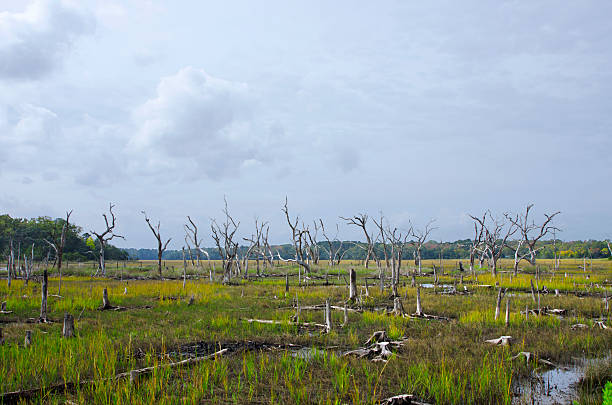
<point x="161" y="246"/>
<point x="105" y="236"/>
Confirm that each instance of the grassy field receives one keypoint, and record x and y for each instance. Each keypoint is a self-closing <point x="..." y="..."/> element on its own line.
<point x="439" y="361"/>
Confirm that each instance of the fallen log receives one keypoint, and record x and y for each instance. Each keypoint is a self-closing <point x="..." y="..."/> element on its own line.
<point x="501" y="341"/>
<point x="16" y="396"/>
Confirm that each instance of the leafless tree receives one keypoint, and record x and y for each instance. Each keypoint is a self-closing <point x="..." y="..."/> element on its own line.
<point x="191" y="238"/>
<point x="107" y="235"/>
<point x="420" y="237"/>
<point x="313" y="246"/>
<point x="334" y="254"/>
<point x="496" y="235"/>
<point x="476" y="243"/>
<point x="58" y="245"/>
<point x="397" y="240"/>
<point x="383" y="238"/>
<point x="223" y="236"/>
<point x="299" y="239"/>
<point x="609" y="249"/>
<point x="531" y="234"/>
<point x="161" y="246"/>
<point x="255" y="247"/>
<point x="360" y="220"/>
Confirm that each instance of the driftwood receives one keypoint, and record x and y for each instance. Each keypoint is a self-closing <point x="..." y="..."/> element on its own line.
<point x="377" y="351"/>
<point x="273" y="322"/>
<point x="403" y="399"/>
<point x="501" y="341"/>
<point x="579" y="326"/>
<point x="545" y="311"/>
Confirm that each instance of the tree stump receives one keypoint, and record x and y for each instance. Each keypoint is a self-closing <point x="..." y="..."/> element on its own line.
<point x="3" y="306"/>
<point x="27" y="341"/>
<point x="287" y="282"/>
<point x="353" y="285"/>
<point x="398" y="308"/>
<point x="68" y="330"/>
<point x="105" y="301"/>
<point x="1" y="337"/>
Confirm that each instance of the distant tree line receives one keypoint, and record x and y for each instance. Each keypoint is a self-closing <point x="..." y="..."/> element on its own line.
<point x="80" y="246"/>
<point x="36" y="232"/>
<point x="355" y="250"/>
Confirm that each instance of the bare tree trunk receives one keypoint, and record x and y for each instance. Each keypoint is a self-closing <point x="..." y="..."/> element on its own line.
<point x="43" y="302"/>
<point x="328" y="321"/>
<point x="508" y="312"/>
<point x="27" y="341"/>
<point x="500" y="296"/>
<point x="419" y="307"/>
<point x="184" y="268"/>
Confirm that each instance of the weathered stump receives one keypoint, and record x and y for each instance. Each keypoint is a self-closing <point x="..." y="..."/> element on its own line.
<point x="287" y="282"/>
<point x="68" y="330"/>
<point x="353" y="285"/>
<point x="3" y="306"/>
<point x="398" y="308"/>
<point x="27" y="341"/>
<point x="105" y="301"/>
<point x="500" y="295"/>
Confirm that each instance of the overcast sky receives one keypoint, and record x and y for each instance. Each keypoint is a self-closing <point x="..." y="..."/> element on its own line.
<point x="418" y="109"/>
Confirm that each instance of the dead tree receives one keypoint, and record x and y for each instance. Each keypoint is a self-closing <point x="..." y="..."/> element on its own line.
<point x="397" y="240"/>
<point x="299" y="239"/>
<point x="496" y="235"/>
<point x="161" y="246"/>
<point x="103" y="237"/>
<point x="58" y="246"/>
<point x="43" y="300"/>
<point x="531" y="233"/>
<point x="313" y="246"/>
<point x="383" y="239"/>
<point x="420" y="239"/>
<point x="360" y="221"/>
<point x="255" y="247"/>
<point x="332" y="252"/>
<point x="28" y="265"/>
<point x="476" y="243"/>
<point x="609" y="248"/>
<point x="223" y="236"/>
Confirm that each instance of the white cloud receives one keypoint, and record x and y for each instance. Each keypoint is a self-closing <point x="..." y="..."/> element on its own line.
<point x="197" y="125"/>
<point x="32" y="42"/>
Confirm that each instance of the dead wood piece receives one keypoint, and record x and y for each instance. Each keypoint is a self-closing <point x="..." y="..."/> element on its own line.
<point x="501" y="341"/>
<point x="68" y="330"/>
<point x="378" y="336"/>
<point x="27" y="341"/>
<point x="600" y="325"/>
<point x="579" y="326"/>
<point x="3" y="308"/>
<point x="403" y="399"/>
<point x="526" y="354"/>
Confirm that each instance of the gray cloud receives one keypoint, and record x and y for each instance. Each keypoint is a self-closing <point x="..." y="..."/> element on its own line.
<point x="197" y="125"/>
<point x="33" y="42"/>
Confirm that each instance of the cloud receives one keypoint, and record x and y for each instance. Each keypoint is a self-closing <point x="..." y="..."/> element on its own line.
<point x="32" y="42"/>
<point x="198" y="125"/>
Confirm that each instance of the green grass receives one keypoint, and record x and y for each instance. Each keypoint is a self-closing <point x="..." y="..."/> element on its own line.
<point x="440" y="362"/>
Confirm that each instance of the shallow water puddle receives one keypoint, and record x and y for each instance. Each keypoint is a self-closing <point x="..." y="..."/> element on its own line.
<point x="556" y="386"/>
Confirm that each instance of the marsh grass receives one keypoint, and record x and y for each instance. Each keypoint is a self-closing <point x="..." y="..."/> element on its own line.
<point x="441" y="362"/>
